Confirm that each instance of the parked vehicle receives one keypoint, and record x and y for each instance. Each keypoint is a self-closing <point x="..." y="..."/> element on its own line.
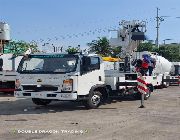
<point x="74" y="77"/>
<point x="8" y="72"/>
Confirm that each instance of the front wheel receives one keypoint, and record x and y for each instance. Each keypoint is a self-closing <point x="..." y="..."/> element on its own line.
<point x="94" y="100"/>
<point x="148" y="94"/>
<point x="38" y="101"/>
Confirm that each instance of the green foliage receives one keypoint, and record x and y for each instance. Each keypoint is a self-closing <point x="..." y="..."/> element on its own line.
<point x="169" y="51"/>
<point x="19" y="47"/>
<point x="100" y="46"/>
<point x="103" y="48"/>
<point x="116" y="51"/>
<point x="148" y="46"/>
<point x="72" y="50"/>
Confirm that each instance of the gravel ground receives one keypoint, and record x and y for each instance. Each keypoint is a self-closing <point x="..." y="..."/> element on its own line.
<point x="122" y="119"/>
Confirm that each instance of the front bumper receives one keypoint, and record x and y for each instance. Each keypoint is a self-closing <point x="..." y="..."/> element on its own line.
<point x="46" y="95"/>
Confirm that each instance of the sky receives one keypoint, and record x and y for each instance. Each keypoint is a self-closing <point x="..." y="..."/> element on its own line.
<point x="77" y="22"/>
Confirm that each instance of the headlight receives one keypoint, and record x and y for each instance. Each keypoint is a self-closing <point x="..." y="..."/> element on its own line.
<point x="67" y="85"/>
<point x="17" y="83"/>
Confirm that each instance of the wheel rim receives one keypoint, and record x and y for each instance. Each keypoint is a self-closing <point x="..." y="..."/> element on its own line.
<point x="148" y="93"/>
<point x="167" y="84"/>
<point x="95" y="100"/>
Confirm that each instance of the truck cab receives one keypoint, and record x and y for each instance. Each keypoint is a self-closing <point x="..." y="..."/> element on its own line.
<point x="47" y="77"/>
<point x="8" y="72"/>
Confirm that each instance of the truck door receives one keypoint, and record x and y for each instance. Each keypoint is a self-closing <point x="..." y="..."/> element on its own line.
<point x="91" y="73"/>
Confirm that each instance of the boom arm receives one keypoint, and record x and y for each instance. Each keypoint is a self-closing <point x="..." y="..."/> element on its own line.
<point x="129" y="36"/>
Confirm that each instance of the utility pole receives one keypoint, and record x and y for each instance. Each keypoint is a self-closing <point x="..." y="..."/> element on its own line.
<point x="157" y="20"/>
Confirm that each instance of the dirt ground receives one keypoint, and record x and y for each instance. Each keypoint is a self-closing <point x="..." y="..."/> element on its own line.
<point x="121" y="119"/>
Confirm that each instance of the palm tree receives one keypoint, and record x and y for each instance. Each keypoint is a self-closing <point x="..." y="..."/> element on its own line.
<point x="100" y="46"/>
<point x="72" y="50"/>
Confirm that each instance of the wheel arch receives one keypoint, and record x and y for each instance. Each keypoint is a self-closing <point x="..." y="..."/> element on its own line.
<point x="102" y="88"/>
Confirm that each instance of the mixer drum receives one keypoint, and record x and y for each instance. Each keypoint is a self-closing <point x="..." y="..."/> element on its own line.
<point x="162" y="65"/>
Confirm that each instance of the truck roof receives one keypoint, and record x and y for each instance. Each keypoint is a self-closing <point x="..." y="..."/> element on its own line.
<point x="48" y="53"/>
<point x="65" y="54"/>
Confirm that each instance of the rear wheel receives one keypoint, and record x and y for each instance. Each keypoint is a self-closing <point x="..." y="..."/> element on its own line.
<point x="166" y="84"/>
<point x="94" y="100"/>
<point x="38" y="101"/>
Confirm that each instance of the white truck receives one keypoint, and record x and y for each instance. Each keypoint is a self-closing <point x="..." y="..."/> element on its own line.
<point x="47" y="77"/>
<point x="76" y="77"/>
<point x="8" y="72"/>
<point x="176" y="69"/>
<point x="175" y="74"/>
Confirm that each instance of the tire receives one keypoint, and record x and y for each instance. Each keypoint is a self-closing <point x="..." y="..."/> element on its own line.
<point x="166" y="85"/>
<point x="161" y="86"/>
<point x="94" y="100"/>
<point x="38" y="101"/>
<point x="148" y="94"/>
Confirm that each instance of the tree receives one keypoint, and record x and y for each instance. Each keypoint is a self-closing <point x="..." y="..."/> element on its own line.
<point x="116" y="51"/>
<point x="147" y="46"/>
<point x="103" y="48"/>
<point x="100" y="46"/>
<point x="168" y="51"/>
<point x="72" y="50"/>
<point x="19" y="47"/>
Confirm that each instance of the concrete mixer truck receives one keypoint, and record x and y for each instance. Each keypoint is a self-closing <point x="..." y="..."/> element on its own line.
<point x="161" y="70"/>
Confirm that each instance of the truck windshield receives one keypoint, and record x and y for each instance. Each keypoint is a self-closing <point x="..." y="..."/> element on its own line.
<point x="40" y="64"/>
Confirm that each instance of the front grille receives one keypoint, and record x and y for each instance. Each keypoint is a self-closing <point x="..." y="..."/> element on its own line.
<point x="42" y="88"/>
